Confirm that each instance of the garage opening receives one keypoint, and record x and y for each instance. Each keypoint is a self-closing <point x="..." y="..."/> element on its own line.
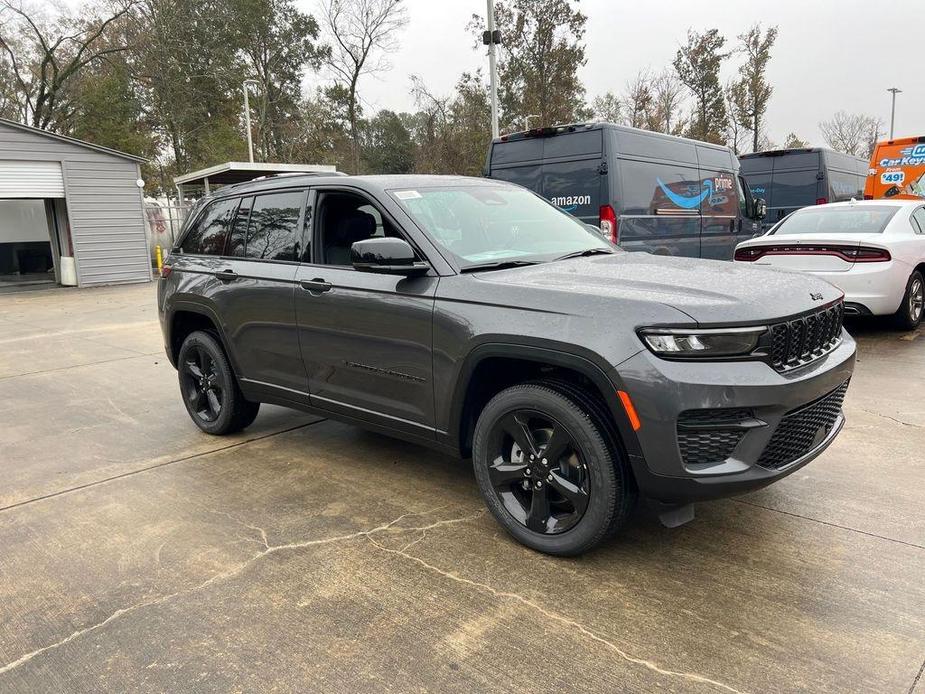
<point x="35" y="239"/>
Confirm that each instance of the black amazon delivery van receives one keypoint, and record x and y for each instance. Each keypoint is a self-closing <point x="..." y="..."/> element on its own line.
<point x="789" y="179"/>
<point x="646" y="191"/>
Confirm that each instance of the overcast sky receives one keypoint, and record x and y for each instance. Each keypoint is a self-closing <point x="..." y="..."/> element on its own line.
<point x="829" y="55"/>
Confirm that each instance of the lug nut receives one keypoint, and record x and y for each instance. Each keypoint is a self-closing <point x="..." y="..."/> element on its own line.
<point x="549" y="478"/>
<point x="545" y="462"/>
<point x="528" y="471"/>
<point x="539" y="484"/>
<point x="532" y="457"/>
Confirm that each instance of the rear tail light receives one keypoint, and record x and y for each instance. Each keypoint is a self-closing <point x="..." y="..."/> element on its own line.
<point x="748" y="254"/>
<point x="165" y="271"/>
<point x="866" y="254"/>
<point x="852" y="254"/>
<point x="822" y="201"/>
<point x="868" y="197"/>
<point x="609" y="226"/>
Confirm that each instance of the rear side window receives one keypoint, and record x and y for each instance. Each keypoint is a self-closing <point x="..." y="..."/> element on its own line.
<point x="238" y="237"/>
<point x="660" y="189"/>
<point x="273" y="229"/>
<point x="209" y="232"/>
<point x="918" y="220"/>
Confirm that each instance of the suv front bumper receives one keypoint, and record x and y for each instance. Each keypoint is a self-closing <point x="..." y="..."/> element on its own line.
<point x="751" y="394"/>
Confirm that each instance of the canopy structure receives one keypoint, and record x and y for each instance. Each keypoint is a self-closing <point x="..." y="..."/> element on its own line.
<point x="230" y="172"/>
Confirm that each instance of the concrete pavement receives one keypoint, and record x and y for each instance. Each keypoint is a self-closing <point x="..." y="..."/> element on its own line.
<point x="137" y="553"/>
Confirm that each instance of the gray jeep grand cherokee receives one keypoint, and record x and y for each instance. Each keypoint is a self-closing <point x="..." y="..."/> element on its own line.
<point x="475" y="317"/>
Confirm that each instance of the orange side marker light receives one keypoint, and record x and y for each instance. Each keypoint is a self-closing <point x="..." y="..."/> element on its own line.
<point x="630" y="410"/>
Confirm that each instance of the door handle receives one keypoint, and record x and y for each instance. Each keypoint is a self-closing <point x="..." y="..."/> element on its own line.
<point x="227" y="275"/>
<point x="316" y="286"/>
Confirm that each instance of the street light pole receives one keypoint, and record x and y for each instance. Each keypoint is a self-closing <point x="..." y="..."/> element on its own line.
<point x="247" y="119"/>
<point x="492" y="39"/>
<point x="894" y="91"/>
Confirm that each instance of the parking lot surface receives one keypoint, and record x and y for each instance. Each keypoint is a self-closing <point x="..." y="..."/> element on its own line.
<point x="138" y="554"/>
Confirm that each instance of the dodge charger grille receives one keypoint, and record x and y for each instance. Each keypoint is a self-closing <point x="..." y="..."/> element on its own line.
<point x="804" y="339"/>
<point x="802" y="430"/>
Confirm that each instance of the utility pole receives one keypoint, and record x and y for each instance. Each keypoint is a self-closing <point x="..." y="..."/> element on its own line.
<point x="247" y="119"/>
<point x="492" y="38"/>
<point x="894" y="91"/>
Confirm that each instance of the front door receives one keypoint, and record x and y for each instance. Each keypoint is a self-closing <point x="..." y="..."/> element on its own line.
<point x="719" y="212"/>
<point x="366" y="338"/>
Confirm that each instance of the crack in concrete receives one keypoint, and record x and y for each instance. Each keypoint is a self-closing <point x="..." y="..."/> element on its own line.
<point x="915" y="682"/>
<point x="270" y="549"/>
<point x="828" y="523"/>
<point x="484" y="587"/>
<point x="892" y="419"/>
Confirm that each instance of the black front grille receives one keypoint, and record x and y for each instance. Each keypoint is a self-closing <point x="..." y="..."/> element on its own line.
<point x="802" y="430"/>
<point x="710" y="436"/>
<point x="801" y="340"/>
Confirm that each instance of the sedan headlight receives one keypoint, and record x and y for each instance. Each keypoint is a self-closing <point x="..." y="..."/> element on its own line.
<point x="684" y="343"/>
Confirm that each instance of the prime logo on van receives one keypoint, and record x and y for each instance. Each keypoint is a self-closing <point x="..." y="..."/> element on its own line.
<point x="570" y="203"/>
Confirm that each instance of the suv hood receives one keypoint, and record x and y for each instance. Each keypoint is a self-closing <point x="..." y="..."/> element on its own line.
<point x="709" y="291"/>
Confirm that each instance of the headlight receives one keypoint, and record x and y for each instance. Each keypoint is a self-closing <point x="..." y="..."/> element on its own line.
<point x="691" y="343"/>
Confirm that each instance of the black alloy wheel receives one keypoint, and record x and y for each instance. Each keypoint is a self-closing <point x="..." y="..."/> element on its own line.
<point x="550" y="468"/>
<point x="209" y="387"/>
<point x="202" y="386"/>
<point x="537" y="471"/>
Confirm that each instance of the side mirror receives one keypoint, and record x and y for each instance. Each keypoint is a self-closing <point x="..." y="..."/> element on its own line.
<point x="761" y="208"/>
<point x="385" y="255"/>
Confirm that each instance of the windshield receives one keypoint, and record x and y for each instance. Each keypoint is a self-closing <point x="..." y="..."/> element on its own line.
<point x="867" y="219"/>
<point x="492" y="224"/>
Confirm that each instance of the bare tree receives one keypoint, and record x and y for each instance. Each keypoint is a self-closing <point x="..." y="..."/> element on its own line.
<point x="736" y="125"/>
<point x="668" y="99"/>
<point x="362" y="32"/>
<point x="638" y="100"/>
<point x="851" y="133"/>
<point x="752" y="92"/>
<point x="44" y="59"/>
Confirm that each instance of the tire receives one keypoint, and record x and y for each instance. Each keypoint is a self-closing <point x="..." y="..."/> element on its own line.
<point x="209" y="388"/>
<point x="910" y="310"/>
<point x="588" y="489"/>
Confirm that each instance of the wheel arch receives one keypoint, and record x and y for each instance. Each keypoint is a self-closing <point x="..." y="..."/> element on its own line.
<point x="188" y="317"/>
<point x="491" y="367"/>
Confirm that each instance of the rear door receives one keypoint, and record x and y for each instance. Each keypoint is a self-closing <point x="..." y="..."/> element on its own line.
<point x="798" y="181"/>
<point x="566" y="169"/>
<point x="256" y="301"/>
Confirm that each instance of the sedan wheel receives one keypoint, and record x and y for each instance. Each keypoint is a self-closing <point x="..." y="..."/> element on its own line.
<point x="911" y="309"/>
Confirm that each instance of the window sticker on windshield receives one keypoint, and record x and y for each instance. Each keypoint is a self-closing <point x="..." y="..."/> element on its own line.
<point x="407" y="194"/>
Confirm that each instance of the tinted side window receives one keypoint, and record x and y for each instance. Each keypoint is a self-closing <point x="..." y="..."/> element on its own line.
<point x="659" y="188"/>
<point x="273" y="230"/>
<point x="210" y="230"/>
<point x="238" y="236"/>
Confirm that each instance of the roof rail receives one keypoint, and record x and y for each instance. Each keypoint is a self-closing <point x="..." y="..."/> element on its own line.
<point x="313" y="174"/>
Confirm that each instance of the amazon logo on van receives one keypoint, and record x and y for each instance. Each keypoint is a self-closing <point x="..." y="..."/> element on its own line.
<point x="570" y="203"/>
